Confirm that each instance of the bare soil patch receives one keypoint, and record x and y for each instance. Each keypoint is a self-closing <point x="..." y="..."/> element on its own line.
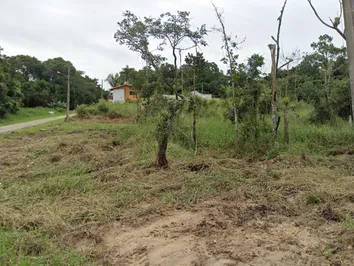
<point x="210" y="235"/>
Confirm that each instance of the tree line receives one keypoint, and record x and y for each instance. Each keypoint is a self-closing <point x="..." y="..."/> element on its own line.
<point x="28" y="82"/>
<point x="319" y="77"/>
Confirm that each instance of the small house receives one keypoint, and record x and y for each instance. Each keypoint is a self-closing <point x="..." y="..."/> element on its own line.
<point x="122" y="93"/>
<point x="202" y="95"/>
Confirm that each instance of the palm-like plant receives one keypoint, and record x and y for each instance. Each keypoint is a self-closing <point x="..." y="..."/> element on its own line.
<point x="113" y="79"/>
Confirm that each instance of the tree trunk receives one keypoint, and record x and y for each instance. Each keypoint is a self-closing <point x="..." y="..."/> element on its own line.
<point x="194" y="132"/>
<point x="138" y="110"/>
<point x="67" y="117"/>
<point x="176" y="72"/>
<point x="234" y="110"/>
<point x="166" y="129"/>
<point x="272" y="48"/>
<point x="286" y="125"/>
<point x="349" y="31"/>
<point x="194" y="129"/>
<point x="161" y="155"/>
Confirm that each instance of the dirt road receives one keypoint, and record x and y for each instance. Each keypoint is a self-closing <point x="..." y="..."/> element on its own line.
<point x="19" y="126"/>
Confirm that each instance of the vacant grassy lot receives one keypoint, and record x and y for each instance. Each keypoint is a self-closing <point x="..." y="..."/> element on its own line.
<point x="87" y="193"/>
<point x="29" y="114"/>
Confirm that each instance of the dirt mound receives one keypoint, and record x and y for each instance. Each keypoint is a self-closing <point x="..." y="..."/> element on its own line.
<point x="208" y="236"/>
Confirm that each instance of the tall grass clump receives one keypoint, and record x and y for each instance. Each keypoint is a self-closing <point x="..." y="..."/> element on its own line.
<point x="255" y="136"/>
<point x="103" y="107"/>
<point x="317" y="138"/>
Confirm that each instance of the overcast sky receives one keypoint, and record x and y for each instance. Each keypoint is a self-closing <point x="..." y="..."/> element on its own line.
<point x="82" y="30"/>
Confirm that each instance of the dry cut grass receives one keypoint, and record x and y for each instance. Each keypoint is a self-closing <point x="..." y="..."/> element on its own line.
<point x="63" y="187"/>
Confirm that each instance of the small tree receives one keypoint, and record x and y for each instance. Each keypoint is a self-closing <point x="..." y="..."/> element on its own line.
<point x="197" y="62"/>
<point x="173" y="31"/>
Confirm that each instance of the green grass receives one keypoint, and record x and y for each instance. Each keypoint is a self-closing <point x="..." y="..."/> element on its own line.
<point x="31" y="247"/>
<point x="29" y="114"/>
<point x="75" y="177"/>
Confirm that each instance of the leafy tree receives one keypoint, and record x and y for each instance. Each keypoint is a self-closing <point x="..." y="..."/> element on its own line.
<point x="170" y="31"/>
<point x="325" y="55"/>
<point x="10" y="90"/>
<point x="127" y="74"/>
<point x="114" y="80"/>
<point x="322" y="79"/>
<point x="26" y="68"/>
<point x="36" y="93"/>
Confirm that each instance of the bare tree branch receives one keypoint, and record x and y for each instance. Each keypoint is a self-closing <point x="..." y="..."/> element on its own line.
<point x="285" y="64"/>
<point x="334" y="25"/>
<point x="277" y="40"/>
<point x="225" y="37"/>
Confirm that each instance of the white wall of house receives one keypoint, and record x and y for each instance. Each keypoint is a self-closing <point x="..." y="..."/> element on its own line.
<point x="118" y="96"/>
<point x="202" y="95"/>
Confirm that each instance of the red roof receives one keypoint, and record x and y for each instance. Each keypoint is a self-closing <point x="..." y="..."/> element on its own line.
<point x="120" y="86"/>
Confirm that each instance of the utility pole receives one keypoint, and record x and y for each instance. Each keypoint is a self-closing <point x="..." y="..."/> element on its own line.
<point x="67" y="118"/>
<point x="349" y="32"/>
<point x="102" y="89"/>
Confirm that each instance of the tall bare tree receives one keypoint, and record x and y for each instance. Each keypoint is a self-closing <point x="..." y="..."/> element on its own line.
<point x="275" y="53"/>
<point x="229" y="46"/>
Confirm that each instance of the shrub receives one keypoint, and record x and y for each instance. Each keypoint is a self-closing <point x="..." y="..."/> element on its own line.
<point x="112" y="114"/>
<point x="83" y="111"/>
<point x="255" y="135"/>
<point x="103" y="107"/>
<point x="322" y="114"/>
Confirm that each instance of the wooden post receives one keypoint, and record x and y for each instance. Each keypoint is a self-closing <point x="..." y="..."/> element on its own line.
<point x="349" y="32"/>
<point x="67" y="118"/>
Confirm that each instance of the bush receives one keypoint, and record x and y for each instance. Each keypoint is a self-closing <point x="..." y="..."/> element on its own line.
<point x="322" y="114"/>
<point x="255" y="135"/>
<point x="103" y="107"/>
<point x="83" y="111"/>
<point x="112" y="114"/>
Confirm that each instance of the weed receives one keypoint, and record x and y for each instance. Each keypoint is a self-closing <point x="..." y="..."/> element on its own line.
<point x="329" y="252"/>
<point x="349" y="221"/>
<point x="313" y="199"/>
<point x="39" y="152"/>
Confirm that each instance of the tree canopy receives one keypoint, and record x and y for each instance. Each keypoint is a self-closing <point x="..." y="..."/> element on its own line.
<point x="26" y="81"/>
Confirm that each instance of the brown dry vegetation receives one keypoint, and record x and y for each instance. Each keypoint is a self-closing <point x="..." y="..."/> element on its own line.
<point x="83" y="186"/>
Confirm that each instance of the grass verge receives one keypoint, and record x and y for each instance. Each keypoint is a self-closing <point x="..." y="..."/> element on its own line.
<point x="29" y="114"/>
